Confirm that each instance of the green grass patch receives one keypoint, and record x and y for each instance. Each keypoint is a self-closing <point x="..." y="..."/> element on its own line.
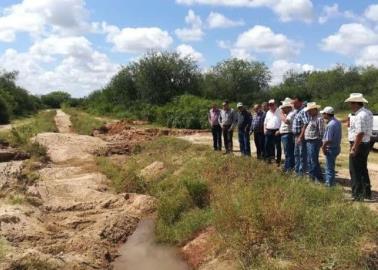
<point x="83" y="123"/>
<point x="16" y="199"/>
<point x="20" y="135"/>
<point x="264" y="216"/>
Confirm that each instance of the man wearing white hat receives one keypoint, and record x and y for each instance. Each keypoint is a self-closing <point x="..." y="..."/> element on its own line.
<point x="287" y="137"/>
<point x="331" y="144"/>
<point x="272" y="124"/>
<point x="313" y="131"/>
<point x="359" y="134"/>
<point x="244" y="126"/>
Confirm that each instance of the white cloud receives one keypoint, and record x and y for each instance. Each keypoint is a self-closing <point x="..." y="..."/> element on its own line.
<point x="37" y="17"/>
<point x="333" y="11"/>
<point x="372" y="13"/>
<point x="217" y="20"/>
<point x="138" y="40"/>
<point x="194" y="32"/>
<point x="185" y="50"/>
<point x="368" y="56"/>
<point x="350" y="39"/>
<point x="280" y="68"/>
<point x="60" y="63"/>
<point x="287" y="10"/>
<point x="261" y="39"/>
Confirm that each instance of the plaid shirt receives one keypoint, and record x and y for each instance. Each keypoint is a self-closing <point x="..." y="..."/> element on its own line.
<point x="258" y="122"/>
<point x="362" y="122"/>
<point x="300" y="119"/>
<point x="315" y="128"/>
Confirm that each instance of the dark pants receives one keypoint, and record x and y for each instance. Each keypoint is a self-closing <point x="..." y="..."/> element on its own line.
<point x="245" y="143"/>
<point x="273" y="146"/>
<point x="217" y="137"/>
<point x="227" y="137"/>
<point x="359" y="173"/>
<point x="259" y="138"/>
<point x="288" y="145"/>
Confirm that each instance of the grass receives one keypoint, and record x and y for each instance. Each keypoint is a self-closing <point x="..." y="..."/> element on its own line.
<point x="3" y="248"/>
<point x="20" y="135"/>
<point x="83" y="123"/>
<point x="264" y="216"/>
<point x="16" y="199"/>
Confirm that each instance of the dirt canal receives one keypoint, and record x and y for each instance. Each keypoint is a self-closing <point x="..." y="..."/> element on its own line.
<point x="142" y="253"/>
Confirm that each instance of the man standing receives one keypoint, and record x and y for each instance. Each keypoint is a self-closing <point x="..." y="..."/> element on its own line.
<point x="272" y="124"/>
<point x="227" y="121"/>
<point x="313" y="131"/>
<point x="244" y="126"/>
<point x="300" y="150"/>
<point x="216" y="130"/>
<point x="331" y="144"/>
<point x="286" y="133"/>
<point x="258" y="130"/>
<point x="360" y="131"/>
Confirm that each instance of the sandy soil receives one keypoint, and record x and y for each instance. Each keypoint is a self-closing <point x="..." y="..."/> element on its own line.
<point x="71" y="220"/>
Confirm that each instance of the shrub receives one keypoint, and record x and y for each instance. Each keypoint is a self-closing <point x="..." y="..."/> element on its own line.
<point x="4" y="111"/>
<point x="198" y="191"/>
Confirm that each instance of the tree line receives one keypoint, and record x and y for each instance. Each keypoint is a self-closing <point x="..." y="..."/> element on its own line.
<point x="173" y="91"/>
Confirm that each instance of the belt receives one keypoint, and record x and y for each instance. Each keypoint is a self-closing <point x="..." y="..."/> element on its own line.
<point x="272" y="129"/>
<point x="361" y="142"/>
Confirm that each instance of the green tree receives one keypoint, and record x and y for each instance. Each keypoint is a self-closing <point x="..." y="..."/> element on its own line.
<point x="4" y="111"/>
<point x="55" y="99"/>
<point x="236" y="80"/>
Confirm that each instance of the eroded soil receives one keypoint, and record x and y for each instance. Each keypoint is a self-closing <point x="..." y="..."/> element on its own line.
<point x="68" y="219"/>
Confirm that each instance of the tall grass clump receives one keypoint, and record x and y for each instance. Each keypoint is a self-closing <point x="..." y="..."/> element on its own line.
<point x="83" y="123"/>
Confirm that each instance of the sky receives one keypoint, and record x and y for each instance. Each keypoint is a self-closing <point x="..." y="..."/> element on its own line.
<point x="78" y="45"/>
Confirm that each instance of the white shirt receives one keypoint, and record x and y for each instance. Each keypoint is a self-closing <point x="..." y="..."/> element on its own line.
<point x="287" y="127"/>
<point x="273" y="119"/>
<point x="361" y="122"/>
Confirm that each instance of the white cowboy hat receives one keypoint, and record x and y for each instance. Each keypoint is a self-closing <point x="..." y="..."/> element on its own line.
<point x="356" y="97"/>
<point x="272" y="101"/>
<point x="287" y="100"/>
<point x="312" y="105"/>
<point x="239" y="105"/>
<point x="286" y="104"/>
<point x="328" y="110"/>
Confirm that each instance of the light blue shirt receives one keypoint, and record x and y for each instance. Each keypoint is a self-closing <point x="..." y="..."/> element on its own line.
<point x="333" y="133"/>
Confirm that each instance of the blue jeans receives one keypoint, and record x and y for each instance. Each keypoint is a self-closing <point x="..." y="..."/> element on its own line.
<point x="288" y="145"/>
<point x="300" y="157"/>
<point x="331" y="155"/>
<point x="313" y="149"/>
<point x="245" y="143"/>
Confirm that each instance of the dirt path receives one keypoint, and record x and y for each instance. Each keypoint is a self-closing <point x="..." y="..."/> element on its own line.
<point x="74" y="221"/>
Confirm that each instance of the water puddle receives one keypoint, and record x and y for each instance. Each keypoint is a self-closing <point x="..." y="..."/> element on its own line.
<point x="142" y="253"/>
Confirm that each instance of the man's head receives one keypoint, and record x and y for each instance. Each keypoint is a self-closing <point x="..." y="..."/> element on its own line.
<point x="356" y="101"/>
<point x="297" y="102"/>
<point x="240" y="106"/>
<point x="312" y="108"/>
<point x="272" y="105"/>
<point x="286" y="107"/>
<point x="226" y="105"/>
<point x="214" y="107"/>
<point x="257" y="108"/>
<point x="264" y="106"/>
<point x="328" y="113"/>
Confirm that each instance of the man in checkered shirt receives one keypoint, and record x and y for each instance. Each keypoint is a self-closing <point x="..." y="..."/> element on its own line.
<point x="300" y="151"/>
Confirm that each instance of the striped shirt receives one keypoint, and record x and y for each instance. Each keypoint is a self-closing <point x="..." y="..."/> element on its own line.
<point x="315" y="128"/>
<point x="258" y="122"/>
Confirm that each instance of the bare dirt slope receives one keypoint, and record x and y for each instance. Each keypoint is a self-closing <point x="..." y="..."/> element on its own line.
<point x="69" y="220"/>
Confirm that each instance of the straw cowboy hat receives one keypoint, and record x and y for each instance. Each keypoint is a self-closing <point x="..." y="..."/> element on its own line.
<point x="287" y="100"/>
<point x="312" y="105"/>
<point x="285" y="105"/>
<point x="356" y="97"/>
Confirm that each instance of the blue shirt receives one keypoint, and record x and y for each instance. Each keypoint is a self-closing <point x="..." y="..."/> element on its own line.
<point x="333" y="133"/>
<point x="300" y="119"/>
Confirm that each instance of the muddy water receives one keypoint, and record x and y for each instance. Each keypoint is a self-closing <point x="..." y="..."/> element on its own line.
<point x="142" y="253"/>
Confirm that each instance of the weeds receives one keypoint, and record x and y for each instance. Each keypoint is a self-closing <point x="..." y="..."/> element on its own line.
<point x="16" y="199"/>
<point x="82" y="122"/>
<point x="265" y="217"/>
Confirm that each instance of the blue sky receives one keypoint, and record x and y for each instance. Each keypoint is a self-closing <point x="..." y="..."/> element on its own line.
<point x="78" y="45"/>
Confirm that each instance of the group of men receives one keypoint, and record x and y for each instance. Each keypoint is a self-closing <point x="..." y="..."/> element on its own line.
<point x="303" y="130"/>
